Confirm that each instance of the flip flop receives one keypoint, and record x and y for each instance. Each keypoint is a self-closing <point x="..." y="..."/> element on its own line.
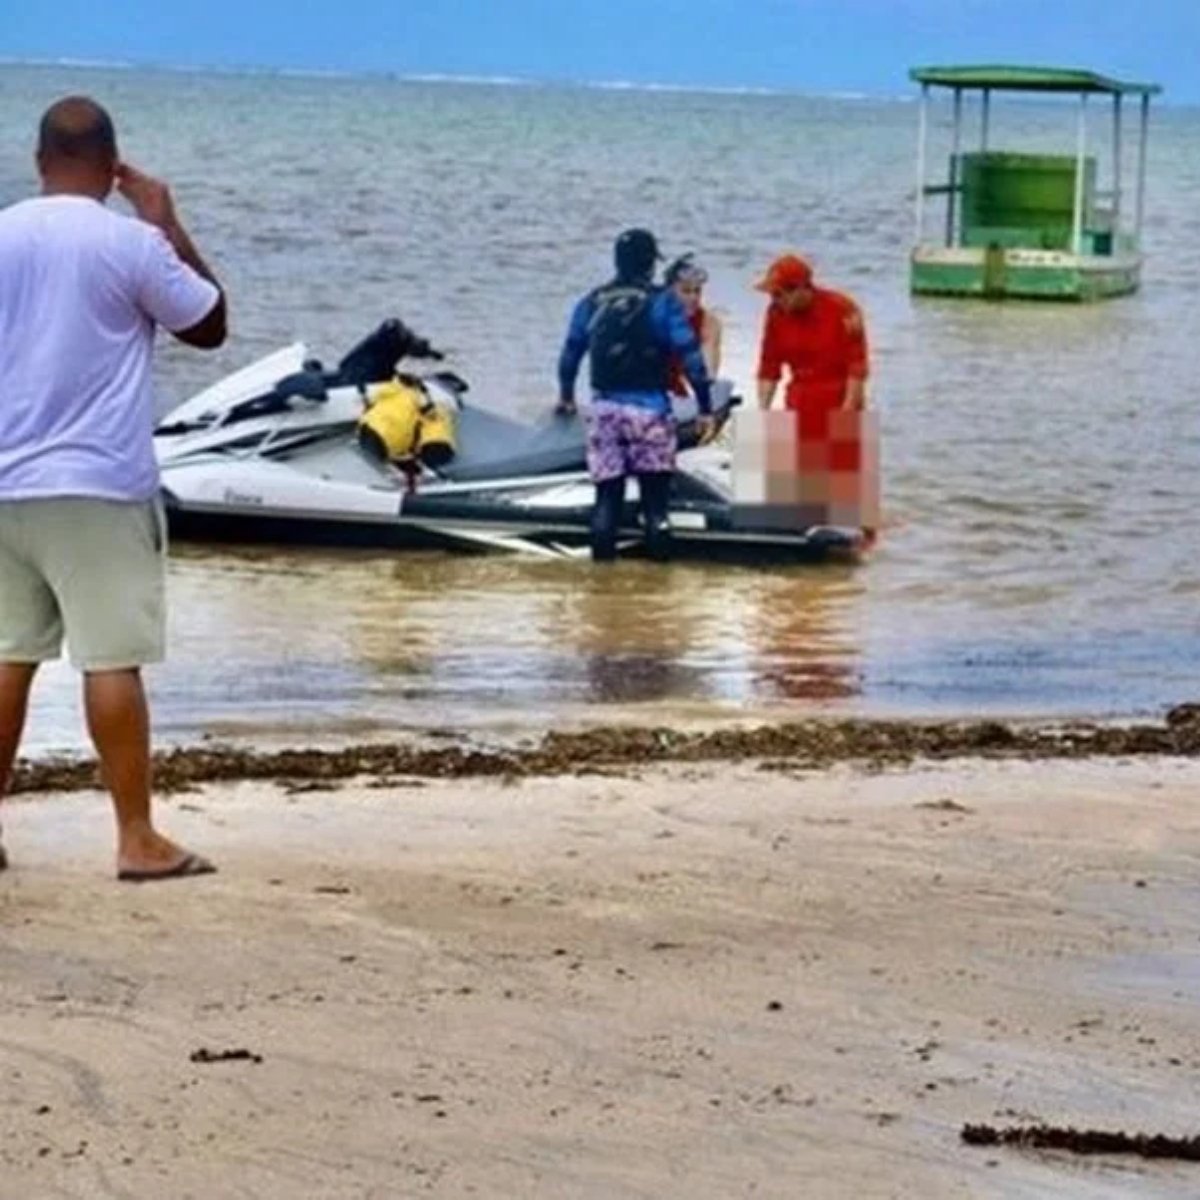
<point x="190" y="864"/>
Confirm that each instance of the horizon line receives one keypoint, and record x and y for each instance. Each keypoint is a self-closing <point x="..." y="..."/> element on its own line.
<point x="487" y="80"/>
<point x="443" y="77"/>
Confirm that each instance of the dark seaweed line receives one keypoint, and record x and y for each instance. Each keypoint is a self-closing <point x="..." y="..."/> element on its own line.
<point x="1084" y="1141"/>
<point x="796" y="745"/>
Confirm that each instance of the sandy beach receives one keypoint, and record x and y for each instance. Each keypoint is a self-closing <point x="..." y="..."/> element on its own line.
<point x="707" y="980"/>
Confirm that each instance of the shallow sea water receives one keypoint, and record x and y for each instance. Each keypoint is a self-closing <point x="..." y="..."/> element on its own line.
<point x="1041" y="464"/>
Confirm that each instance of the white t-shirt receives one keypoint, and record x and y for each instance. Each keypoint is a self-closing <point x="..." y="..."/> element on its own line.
<point x="81" y="290"/>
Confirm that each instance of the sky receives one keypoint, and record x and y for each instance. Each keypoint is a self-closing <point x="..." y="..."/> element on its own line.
<point x="825" y="46"/>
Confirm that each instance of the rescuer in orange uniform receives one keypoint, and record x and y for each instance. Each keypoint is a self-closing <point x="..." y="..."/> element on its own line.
<point x="819" y="336"/>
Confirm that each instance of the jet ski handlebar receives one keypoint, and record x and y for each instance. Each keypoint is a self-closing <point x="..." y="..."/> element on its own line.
<point x="373" y="360"/>
<point x="376" y="357"/>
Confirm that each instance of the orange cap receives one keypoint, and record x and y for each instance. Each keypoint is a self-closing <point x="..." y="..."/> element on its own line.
<point x="787" y="271"/>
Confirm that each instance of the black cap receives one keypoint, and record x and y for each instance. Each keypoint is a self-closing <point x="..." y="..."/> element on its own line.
<point x="636" y="250"/>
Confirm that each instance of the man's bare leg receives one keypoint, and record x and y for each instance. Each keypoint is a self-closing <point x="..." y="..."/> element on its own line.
<point x="119" y="723"/>
<point x="15" y="682"/>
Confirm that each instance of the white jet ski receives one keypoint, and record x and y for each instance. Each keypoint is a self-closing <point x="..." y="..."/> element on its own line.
<point x="272" y="454"/>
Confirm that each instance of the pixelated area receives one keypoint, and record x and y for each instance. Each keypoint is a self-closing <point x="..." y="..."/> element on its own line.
<point x="807" y="468"/>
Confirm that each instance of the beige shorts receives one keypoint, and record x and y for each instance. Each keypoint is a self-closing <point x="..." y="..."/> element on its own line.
<point x="93" y="571"/>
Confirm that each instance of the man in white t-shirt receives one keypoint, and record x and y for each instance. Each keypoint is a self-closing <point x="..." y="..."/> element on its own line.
<point x="82" y="534"/>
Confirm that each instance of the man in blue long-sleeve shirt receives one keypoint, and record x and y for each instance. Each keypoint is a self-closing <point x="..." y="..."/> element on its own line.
<point x="631" y="330"/>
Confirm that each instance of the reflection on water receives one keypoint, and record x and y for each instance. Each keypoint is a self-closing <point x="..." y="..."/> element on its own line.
<point x="291" y="645"/>
<point x="350" y="643"/>
<point x="641" y="634"/>
<point x="430" y="640"/>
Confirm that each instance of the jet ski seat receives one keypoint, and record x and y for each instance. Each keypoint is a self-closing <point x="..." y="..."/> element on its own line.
<point x="491" y="446"/>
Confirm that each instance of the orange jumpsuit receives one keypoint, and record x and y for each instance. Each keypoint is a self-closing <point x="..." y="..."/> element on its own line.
<point x="823" y="347"/>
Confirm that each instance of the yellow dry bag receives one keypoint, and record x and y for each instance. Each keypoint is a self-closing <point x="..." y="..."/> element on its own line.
<point x="402" y="424"/>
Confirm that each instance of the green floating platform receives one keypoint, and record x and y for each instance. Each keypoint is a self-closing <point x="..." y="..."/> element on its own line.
<point x="1025" y="225"/>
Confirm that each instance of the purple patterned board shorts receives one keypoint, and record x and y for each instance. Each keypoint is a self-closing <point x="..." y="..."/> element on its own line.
<point x="625" y="439"/>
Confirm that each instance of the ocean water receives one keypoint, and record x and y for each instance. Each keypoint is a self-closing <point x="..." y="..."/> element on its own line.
<point x="1041" y="464"/>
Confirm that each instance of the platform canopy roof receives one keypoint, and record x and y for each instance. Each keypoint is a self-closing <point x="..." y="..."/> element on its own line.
<point x="1029" y="79"/>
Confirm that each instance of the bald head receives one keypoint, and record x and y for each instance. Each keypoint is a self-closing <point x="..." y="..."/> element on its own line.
<point x="77" y="145"/>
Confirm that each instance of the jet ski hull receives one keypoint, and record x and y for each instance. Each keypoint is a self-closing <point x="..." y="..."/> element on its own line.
<point x="563" y="537"/>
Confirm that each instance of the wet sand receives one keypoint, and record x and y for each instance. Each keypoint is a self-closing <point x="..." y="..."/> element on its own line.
<point x="703" y="978"/>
